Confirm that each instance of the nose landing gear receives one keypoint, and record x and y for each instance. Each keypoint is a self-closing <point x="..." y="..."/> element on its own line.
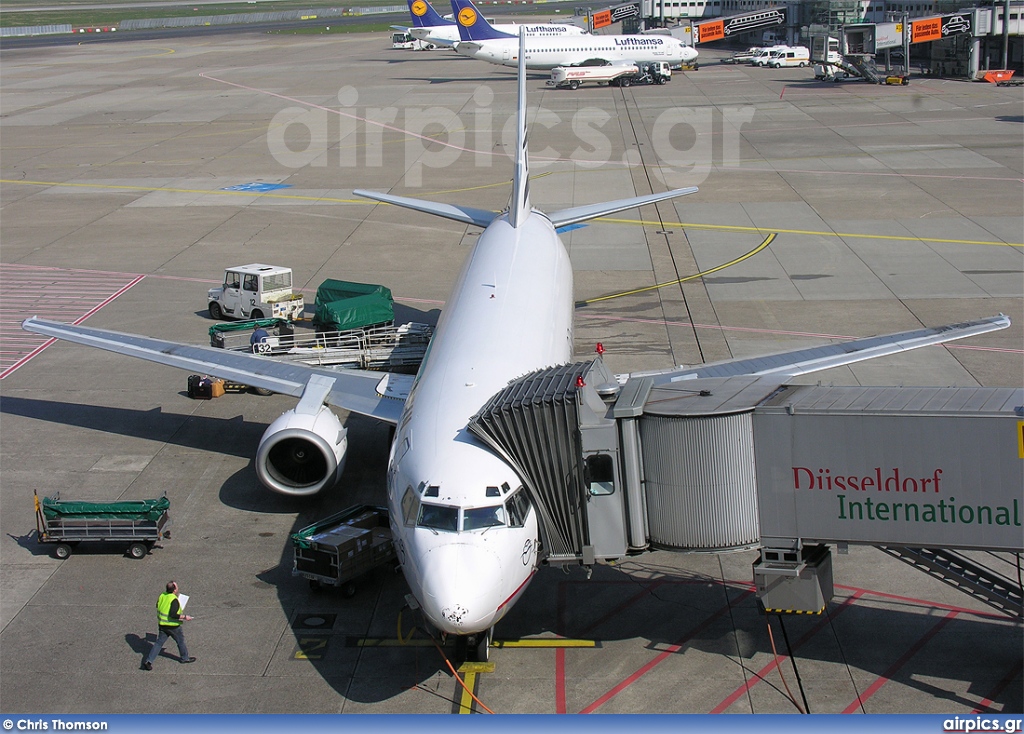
<point x="474" y="648"/>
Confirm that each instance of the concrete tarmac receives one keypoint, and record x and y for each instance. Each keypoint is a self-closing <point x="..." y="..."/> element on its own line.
<point x="134" y="172"/>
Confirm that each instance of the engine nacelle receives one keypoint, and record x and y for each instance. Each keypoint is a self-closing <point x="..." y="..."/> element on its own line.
<point x="302" y="453"/>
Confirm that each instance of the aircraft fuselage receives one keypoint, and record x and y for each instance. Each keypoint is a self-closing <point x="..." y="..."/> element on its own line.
<point x="465" y="532"/>
<point x="544" y="53"/>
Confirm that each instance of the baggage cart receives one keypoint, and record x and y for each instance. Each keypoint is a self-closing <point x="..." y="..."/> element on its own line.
<point x="137" y="523"/>
<point x="339" y="549"/>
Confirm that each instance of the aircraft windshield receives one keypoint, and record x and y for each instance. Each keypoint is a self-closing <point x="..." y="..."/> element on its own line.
<point x="483" y="517"/>
<point x="438" y="517"/>
<point x="446" y="518"/>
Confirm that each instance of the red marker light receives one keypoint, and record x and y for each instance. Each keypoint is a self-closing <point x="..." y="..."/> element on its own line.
<point x="580" y="382"/>
<point x="600" y="348"/>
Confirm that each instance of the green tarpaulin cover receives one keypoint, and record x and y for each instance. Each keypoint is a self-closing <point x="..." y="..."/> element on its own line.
<point x="341" y="305"/>
<point x="127" y="510"/>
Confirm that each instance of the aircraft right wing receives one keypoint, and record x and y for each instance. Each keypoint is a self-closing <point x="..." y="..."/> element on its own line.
<point x="814" y="359"/>
<point x="375" y="394"/>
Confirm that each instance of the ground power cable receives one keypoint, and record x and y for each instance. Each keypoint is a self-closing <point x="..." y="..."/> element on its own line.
<point x="792" y="661"/>
<point x="778" y="666"/>
<point x="459" y="677"/>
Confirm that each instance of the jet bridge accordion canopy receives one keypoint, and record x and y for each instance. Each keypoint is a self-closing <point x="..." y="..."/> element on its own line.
<point x="534" y="424"/>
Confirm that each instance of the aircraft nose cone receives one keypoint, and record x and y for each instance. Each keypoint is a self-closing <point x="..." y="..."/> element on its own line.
<point x="462" y="588"/>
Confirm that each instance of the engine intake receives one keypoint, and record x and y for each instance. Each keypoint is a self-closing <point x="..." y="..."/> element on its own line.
<point x="302" y="453"/>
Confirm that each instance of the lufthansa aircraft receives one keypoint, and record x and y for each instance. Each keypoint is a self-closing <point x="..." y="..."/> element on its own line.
<point x="428" y="26"/>
<point x="465" y="527"/>
<point x="481" y="40"/>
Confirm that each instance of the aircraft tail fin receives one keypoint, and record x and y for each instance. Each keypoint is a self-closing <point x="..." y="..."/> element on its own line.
<point x="424" y="15"/>
<point x="519" y="205"/>
<point x="472" y="24"/>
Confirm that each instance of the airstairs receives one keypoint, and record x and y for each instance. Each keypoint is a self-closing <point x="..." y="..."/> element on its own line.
<point x="955" y="569"/>
<point x="862" y="66"/>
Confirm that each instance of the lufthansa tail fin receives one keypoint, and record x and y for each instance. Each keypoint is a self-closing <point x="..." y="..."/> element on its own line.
<point x="472" y="24"/>
<point x="424" y="15"/>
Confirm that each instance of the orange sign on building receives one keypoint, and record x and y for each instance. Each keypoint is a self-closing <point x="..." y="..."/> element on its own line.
<point x="710" y="31"/>
<point x="926" y="29"/>
<point x="602" y="18"/>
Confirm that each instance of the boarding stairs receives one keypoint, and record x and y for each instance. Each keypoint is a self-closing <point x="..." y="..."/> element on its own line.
<point x="958" y="571"/>
<point x="862" y="66"/>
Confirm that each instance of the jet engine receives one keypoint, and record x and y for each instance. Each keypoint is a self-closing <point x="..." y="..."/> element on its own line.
<point x="302" y="452"/>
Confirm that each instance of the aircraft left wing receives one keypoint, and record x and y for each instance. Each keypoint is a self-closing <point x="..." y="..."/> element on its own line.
<point x="353" y="390"/>
<point x="815" y="359"/>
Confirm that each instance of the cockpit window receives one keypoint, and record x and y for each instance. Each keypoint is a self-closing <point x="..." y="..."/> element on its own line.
<point x="518" y="507"/>
<point x="483" y="517"/>
<point x="438" y="517"/>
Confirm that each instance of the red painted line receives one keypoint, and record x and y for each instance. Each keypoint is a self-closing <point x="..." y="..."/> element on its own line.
<point x="926" y="603"/>
<point x="645" y="591"/>
<point x="985" y="705"/>
<point x="560" y="680"/>
<point x="26" y="358"/>
<point x="760" y="675"/>
<point x="671" y="650"/>
<point x="21" y="362"/>
<point x="894" y="668"/>
<point x="783" y="91"/>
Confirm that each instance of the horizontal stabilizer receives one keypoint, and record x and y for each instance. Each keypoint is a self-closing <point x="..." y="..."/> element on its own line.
<point x="464" y="214"/>
<point x="353" y="390"/>
<point x="815" y="359"/>
<point x="592" y="211"/>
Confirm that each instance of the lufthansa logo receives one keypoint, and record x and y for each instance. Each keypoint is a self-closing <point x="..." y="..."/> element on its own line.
<point x="467" y="17"/>
<point x="419" y="8"/>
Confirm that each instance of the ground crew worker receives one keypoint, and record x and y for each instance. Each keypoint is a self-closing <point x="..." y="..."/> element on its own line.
<point x="259" y="335"/>
<point x="169" y="619"/>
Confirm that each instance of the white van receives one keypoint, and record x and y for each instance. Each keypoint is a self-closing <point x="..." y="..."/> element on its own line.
<point x="760" y="57"/>
<point x="795" y="56"/>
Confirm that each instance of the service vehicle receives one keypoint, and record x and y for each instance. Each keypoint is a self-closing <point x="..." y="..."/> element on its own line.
<point x="616" y="75"/>
<point x="793" y="56"/>
<point x="761" y="56"/>
<point x="256" y="291"/>
<point x="405" y="40"/>
<point x="137" y="523"/>
<point x="742" y="57"/>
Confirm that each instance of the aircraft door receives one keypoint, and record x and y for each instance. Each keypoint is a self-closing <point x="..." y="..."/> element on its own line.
<point x="506" y="53"/>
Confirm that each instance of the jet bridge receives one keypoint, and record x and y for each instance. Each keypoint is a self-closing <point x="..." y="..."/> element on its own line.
<point x="729" y="463"/>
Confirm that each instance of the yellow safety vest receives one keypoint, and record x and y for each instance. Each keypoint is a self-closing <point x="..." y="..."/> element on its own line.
<point x="163" y="611"/>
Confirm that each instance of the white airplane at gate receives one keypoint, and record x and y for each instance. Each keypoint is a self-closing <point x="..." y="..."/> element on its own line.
<point x="465" y="527"/>
<point x="481" y="40"/>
